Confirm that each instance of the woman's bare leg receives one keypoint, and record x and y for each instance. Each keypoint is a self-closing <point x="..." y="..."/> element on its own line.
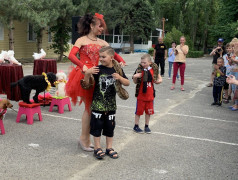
<point x="85" y="131"/>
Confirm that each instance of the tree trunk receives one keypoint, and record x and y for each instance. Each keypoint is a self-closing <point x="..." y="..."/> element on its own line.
<point x="61" y="53"/>
<point x="60" y="56"/>
<point x="204" y="43"/>
<point x="61" y="48"/>
<point x="11" y="35"/>
<point x="39" y="39"/>
<point x="132" y="43"/>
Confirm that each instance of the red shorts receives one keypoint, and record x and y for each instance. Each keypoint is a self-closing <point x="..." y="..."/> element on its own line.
<point x="147" y="106"/>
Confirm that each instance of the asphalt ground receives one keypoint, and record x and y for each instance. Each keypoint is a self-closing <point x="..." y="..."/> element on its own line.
<point x="190" y="138"/>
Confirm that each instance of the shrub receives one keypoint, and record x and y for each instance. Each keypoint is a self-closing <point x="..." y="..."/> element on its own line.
<point x="151" y="51"/>
<point x="174" y="36"/>
<point x="195" y="54"/>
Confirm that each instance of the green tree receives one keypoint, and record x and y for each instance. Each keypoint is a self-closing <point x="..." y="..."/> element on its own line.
<point x="41" y="13"/>
<point x="227" y="20"/>
<point x="10" y="10"/>
<point x="137" y="20"/>
<point x="192" y="17"/>
<point x="62" y="27"/>
<point x="174" y="36"/>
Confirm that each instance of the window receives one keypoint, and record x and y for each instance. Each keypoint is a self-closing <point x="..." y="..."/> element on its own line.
<point x="1" y="31"/>
<point x="30" y="33"/>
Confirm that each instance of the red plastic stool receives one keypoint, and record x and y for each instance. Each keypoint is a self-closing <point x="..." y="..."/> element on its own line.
<point x="29" y="110"/>
<point x="2" y="127"/>
<point x="60" y="102"/>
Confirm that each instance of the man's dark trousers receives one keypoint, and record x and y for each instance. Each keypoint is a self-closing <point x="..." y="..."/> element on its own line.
<point x="161" y="64"/>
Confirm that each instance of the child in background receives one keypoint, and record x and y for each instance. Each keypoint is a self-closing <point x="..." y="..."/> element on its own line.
<point x="227" y="63"/>
<point x="234" y="72"/>
<point x="146" y="92"/>
<point x="171" y="57"/>
<point x="219" y="81"/>
<point x="104" y="101"/>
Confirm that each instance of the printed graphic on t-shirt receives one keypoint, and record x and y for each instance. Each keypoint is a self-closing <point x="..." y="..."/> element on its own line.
<point x="149" y="84"/>
<point x="104" y="94"/>
<point x="105" y="81"/>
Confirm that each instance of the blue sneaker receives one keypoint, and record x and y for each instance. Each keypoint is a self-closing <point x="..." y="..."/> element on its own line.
<point x="147" y="130"/>
<point x="138" y="130"/>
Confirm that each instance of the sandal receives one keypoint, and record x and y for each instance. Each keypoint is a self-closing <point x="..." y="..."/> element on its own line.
<point x="108" y="152"/>
<point x="209" y="85"/>
<point x="234" y="109"/>
<point x="99" y="154"/>
<point x="226" y="101"/>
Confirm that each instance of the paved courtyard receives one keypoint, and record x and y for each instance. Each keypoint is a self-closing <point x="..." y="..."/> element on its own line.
<point x="190" y="139"/>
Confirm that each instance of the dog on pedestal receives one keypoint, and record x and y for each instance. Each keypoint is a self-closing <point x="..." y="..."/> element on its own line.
<point x="60" y="84"/>
<point x="39" y="83"/>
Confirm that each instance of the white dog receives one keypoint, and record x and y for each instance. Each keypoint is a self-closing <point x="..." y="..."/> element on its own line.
<point x="11" y="58"/>
<point x="60" y="84"/>
<point x="3" y="56"/>
<point x="40" y="55"/>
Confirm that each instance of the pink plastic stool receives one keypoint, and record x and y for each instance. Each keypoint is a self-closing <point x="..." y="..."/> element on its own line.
<point x="29" y="110"/>
<point x="2" y="127"/>
<point x="60" y="103"/>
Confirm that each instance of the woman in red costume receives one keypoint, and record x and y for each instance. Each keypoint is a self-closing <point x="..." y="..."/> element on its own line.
<point x="88" y="45"/>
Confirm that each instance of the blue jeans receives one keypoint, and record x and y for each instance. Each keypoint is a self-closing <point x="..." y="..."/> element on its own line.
<point x="233" y="86"/>
<point x="170" y="69"/>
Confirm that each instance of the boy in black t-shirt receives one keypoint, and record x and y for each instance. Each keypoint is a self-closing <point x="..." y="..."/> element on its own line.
<point x="219" y="81"/>
<point x="160" y="54"/>
<point x="104" y="101"/>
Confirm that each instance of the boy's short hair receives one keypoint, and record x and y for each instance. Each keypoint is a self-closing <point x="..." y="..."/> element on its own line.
<point x="146" y="56"/>
<point x="107" y="49"/>
<point x="228" y="45"/>
<point x="220" y="58"/>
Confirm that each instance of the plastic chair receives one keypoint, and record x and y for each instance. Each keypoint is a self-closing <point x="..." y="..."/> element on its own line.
<point x="29" y="110"/>
<point x="2" y="127"/>
<point x="60" y="102"/>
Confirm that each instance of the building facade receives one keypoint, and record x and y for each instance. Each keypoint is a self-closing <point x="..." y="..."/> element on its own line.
<point x="25" y="40"/>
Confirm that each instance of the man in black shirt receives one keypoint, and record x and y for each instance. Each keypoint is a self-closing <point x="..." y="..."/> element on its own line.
<point x="218" y="51"/>
<point x="160" y="54"/>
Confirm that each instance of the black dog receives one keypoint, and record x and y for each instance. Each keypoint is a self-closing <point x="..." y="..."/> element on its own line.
<point x="36" y="82"/>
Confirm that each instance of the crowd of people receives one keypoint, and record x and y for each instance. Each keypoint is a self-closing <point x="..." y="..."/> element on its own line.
<point x="176" y="58"/>
<point x="97" y="85"/>
<point x="225" y="73"/>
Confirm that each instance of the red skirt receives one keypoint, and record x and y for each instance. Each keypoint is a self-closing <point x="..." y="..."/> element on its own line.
<point x="74" y="89"/>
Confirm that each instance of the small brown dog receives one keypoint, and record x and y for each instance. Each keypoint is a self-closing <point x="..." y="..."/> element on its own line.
<point x="4" y="104"/>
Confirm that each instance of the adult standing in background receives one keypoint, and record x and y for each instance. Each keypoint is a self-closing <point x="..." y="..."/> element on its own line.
<point x="160" y="54"/>
<point x="180" y="62"/>
<point x="171" y="57"/>
<point x="218" y="51"/>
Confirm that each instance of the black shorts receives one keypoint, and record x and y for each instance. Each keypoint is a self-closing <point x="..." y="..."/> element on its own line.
<point x="102" y="121"/>
<point x="226" y="86"/>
